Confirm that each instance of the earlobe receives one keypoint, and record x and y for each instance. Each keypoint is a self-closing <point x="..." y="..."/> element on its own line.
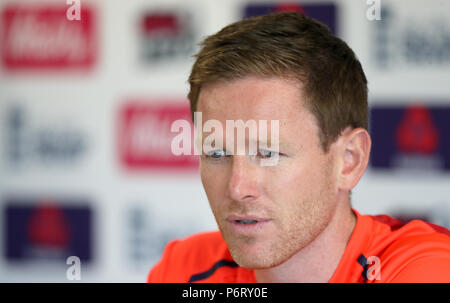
<point x="356" y="146"/>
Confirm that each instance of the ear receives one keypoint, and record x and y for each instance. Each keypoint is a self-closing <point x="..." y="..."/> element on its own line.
<point x="353" y="155"/>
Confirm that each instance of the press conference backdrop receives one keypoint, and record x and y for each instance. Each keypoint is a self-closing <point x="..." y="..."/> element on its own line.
<point x="86" y="107"/>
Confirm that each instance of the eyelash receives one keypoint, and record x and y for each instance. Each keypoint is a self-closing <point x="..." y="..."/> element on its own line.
<point x="210" y="154"/>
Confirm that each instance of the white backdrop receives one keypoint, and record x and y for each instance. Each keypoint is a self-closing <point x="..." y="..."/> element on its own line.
<point x="61" y="127"/>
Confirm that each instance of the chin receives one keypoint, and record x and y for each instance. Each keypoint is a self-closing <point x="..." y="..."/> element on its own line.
<point x="255" y="256"/>
<point x="251" y="262"/>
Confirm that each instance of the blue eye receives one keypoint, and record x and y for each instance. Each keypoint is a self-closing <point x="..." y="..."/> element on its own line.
<point x="216" y="154"/>
<point x="268" y="153"/>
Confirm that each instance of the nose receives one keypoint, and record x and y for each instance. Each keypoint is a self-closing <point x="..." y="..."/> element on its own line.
<point x="243" y="182"/>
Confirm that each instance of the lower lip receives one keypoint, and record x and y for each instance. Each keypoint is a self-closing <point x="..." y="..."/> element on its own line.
<point x="248" y="228"/>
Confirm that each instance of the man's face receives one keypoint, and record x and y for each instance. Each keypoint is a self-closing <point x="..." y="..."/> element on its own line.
<point x="266" y="214"/>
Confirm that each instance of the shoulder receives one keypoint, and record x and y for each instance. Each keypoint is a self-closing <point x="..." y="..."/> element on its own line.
<point x="183" y="258"/>
<point x="414" y="252"/>
<point x="197" y="249"/>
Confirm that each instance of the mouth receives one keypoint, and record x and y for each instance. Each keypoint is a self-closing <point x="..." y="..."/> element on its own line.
<point x="247" y="222"/>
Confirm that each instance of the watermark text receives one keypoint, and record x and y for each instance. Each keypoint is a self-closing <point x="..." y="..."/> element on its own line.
<point x="257" y="142"/>
<point x="74" y="11"/>
<point x="74" y="270"/>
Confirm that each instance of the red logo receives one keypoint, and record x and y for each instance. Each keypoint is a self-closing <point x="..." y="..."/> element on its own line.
<point x="161" y="25"/>
<point x="145" y="136"/>
<point x="37" y="37"/>
<point x="289" y="7"/>
<point x="416" y="132"/>
<point x="166" y="35"/>
<point x="48" y="227"/>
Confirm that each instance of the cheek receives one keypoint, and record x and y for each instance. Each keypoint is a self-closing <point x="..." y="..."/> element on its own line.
<point x="299" y="181"/>
<point x="286" y="188"/>
<point x="213" y="182"/>
<point x="205" y="176"/>
<point x="292" y="179"/>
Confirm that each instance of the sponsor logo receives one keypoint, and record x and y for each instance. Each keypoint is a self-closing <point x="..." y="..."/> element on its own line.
<point x="147" y="234"/>
<point x="323" y="12"/>
<point x="397" y="42"/>
<point x="37" y="143"/>
<point x="412" y="137"/>
<point x="41" y="37"/>
<point x="416" y="132"/>
<point x="145" y="136"/>
<point x="47" y="230"/>
<point x="166" y="36"/>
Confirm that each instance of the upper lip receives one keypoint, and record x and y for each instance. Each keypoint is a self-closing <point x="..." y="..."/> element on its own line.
<point x="235" y="217"/>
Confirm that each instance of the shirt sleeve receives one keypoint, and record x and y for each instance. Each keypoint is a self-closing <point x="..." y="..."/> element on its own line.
<point x="425" y="270"/>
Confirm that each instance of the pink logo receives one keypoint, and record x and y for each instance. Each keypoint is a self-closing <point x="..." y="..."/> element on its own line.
<point x="145" y="136"/>
<point x="41" y="37"/>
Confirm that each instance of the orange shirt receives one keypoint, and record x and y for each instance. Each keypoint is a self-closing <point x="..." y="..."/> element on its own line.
<point x="380" y="249"/>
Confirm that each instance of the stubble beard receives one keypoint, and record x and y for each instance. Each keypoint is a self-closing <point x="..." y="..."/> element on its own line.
<point x="301" y="227"/>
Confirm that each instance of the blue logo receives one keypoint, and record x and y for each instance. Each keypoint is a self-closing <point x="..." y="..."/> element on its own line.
<point x="47" y="230"/>
<point x="323" y="12"/>
<point x="411" y="137"/>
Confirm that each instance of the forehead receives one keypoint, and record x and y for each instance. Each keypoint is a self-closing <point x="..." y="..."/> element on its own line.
<point x="254" y="98"/>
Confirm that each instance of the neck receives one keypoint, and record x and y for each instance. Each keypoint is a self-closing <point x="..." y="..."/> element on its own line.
<point x="317" y="261"/>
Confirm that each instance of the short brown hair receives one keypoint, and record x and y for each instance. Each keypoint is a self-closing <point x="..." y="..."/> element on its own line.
<point x="289" y="45"/>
